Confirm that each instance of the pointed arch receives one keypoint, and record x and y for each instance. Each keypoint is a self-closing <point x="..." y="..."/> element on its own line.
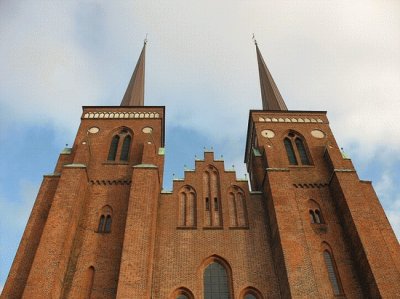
<point x="182" y="293"/>
<point x="332" y="270"/>
<point x="237" y="207"/>
<point x="105" y="220"/>
<point x="294" y="140"/>
<point x="315" y="212"/>
<point x="88" y="285"/>
<point x="217" y="278"/>
<point x="125" y="134"/>
<point x="212" y="197"/>
<point x="187" y="207"/>
<point x="250" y="293"/>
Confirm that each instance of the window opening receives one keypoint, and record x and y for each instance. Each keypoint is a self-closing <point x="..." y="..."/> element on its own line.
<point x="216" y="204"/>
<point x="113" y="148"/>
<point x="216" y="282"/>
<point x="290" y="152"/>
<point x="207" y="204"/>
<point x="125" y="148"/>
<point x="332" y="273"/>
<point x="318" y="217"/>
<point x="302" y="151"/>
<point x="312" y="216"/>
<point x="101" y="224"/>
<point x="107" y="227"/>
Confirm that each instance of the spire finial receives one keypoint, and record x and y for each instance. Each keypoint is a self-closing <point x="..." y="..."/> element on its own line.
<point x="254" y="39"/>
<point x="145" y="39"/>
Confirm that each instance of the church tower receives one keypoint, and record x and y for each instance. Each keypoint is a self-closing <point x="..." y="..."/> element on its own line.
<point x="320" y="214"/>
<point x="103" y="227"/>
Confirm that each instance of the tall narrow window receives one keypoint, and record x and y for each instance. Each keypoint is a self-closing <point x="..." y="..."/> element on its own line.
<point x="216" y="206"/>
<point x="107" y="227"/>
<point x="125" y="148"/>
<point x="318" y="216"/>
<point x="302" y="151"/>
<point x="312" y="216"/>
<point x="89" y="283"/>
<point x="215" y="282"/>
<point x="333" y="277"/>
<point x="290" y="152"/>
<point x="101" y="224"/>
<point x="113" y="148"/>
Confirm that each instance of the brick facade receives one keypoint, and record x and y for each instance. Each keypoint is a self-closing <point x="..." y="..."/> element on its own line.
<point x="299" y="227"/>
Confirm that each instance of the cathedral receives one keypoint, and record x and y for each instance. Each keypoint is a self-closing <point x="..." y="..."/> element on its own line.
<point x="302" y="226"/>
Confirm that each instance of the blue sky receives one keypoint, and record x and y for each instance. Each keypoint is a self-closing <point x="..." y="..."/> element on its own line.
<point x="58" y="56"/>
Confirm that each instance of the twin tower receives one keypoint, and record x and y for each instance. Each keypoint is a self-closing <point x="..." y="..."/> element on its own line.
<point x="102" y="227"/>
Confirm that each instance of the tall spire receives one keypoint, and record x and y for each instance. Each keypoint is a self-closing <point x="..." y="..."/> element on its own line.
<point x="134" y="94"/>
<point x="271" y="97"/>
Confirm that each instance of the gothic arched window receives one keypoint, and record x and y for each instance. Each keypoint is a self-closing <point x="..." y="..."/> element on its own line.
<point x="290" y="152"/>
<point x="105" y="220"/>
<point x="332" y="273"/>
<point x="237" y="207"/>
<point x="125" y="148"/>
<point x="292" y="141"/>
<point x="112" y="153"/>
<point x="187" y="207"/>
<point x="312" y="216"/>
<point x="216" y="283"/>
<point x="302" y="151"/>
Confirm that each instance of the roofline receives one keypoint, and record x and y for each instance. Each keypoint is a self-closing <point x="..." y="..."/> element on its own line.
<point x="287" y="111"/>
<point x="144" y="107"/>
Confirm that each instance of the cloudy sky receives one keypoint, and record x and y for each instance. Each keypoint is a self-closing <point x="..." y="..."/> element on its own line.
<point x="339" y="56"/>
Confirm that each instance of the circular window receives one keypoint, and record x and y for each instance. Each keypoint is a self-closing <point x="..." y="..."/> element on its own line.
<point x="147" y="130"/>
<point x="93" y="130"/>
<point x="317" y="134"/>
<point x="268" y="133"/>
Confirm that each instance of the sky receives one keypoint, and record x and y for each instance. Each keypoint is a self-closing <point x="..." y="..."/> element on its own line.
<point x="57" y="56"/>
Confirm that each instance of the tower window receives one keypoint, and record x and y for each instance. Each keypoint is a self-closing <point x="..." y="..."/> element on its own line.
<point x="312" y="216"/>
<point x="105" y="220"/>
<point x="315" y="216"/>
<point x="291" y="142"/>
<point x="302" y="151"/>
<point x="101" y="224"/>
<point x="290" y="152"/>
<point x="107" y="227"/>
<point x="113" y="148"/>
<point x="333" y="277"/>
<point x="125" y="148"/>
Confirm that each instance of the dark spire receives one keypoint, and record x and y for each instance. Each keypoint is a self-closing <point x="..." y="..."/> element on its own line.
<point x="134" y="94"/>
<point x="271" y="97"/>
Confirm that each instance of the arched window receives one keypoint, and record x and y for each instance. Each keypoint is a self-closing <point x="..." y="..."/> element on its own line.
<point x="125" y="148"/>
<point x="87" y="290"/>
<point x="112" y="153"/>
<point x="105" y="220"/>
<point x="237" y="207"/>
<point x="107" y="227"/>
<point x="216" y="282"/>
<point x="332" y="273"/>
<point x="302" y="151"/>
<point x="318" y="218"/>
<point x="182" y="293"/>
<point x="312" y="216"/>
<point x="290" y="152"/>
<point x="250" y="293"/>
<point x="207" y="204"/>
<point x="250" y="296"/>
<point x="187" y="207"/>
<point x="101" y="224"/>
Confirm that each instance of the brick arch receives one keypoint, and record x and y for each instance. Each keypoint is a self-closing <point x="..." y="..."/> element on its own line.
<point x="315" y="211"/>
<point x="224" y="263"/>
<point x="187" y="206"/>
<point x="212" y="196"/>
<point x="181" y="291"/>
<point x="251" y="290"/>
<point x="237" y="207"/>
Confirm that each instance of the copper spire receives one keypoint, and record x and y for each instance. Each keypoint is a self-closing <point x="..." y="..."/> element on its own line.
<point x="271" y="97"/>
<point x="134" y="94"/>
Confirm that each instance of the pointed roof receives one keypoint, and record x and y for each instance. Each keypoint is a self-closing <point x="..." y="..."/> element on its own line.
<point x="134" y="94"/>
<point x="271" y="97"/>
